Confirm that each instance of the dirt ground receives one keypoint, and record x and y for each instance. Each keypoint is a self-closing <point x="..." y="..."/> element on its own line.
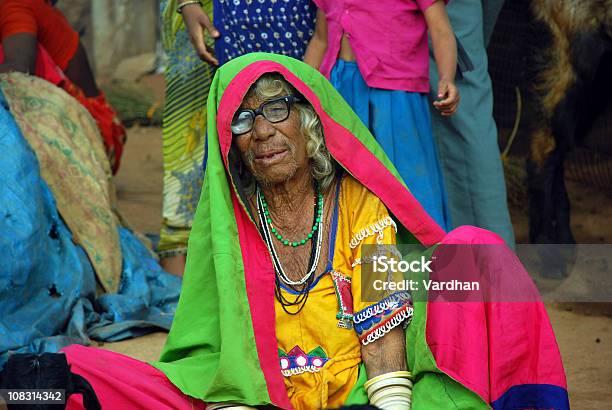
<point x="584" y="331"/>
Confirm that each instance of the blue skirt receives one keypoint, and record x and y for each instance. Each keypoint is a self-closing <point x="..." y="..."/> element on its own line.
<point x="401" y="123"/>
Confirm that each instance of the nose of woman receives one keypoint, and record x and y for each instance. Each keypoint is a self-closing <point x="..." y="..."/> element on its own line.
<point x="262" y="128"/>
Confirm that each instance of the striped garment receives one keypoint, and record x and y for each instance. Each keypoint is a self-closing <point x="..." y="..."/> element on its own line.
<point x="184" y="129"/>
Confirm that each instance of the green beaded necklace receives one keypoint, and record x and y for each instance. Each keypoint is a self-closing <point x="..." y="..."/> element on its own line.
<point x="286" y="242"/>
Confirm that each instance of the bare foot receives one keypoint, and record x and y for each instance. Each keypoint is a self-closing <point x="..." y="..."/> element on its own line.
<point x="174" y="264"/>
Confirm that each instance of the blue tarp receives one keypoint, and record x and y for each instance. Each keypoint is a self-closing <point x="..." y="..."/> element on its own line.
<point x="47" y="284"/>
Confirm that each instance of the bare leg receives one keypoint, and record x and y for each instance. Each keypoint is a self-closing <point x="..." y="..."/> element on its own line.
<point x="174" y="264"/>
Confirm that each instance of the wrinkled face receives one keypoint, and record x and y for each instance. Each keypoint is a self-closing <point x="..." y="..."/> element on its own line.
<point x="272" y="152"/>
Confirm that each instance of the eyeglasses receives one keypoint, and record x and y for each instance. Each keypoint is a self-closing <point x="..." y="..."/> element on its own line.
<point x="276" y="110"/>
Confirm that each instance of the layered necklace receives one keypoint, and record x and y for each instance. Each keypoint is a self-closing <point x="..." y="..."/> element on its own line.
<point x="315" y="237"/>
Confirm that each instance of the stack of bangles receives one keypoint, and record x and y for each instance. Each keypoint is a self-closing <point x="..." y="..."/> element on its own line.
<point x="179" y="7"/>
<point x="390" y="391"/>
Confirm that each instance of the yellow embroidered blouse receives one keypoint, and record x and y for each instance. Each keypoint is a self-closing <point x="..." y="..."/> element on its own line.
<point x="319" y="358"/>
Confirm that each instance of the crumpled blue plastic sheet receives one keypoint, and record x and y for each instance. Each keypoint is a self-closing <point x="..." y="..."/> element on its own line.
<point x="47" y="284"/>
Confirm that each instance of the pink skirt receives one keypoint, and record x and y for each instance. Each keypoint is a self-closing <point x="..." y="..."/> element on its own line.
<point x="121" y="382"/>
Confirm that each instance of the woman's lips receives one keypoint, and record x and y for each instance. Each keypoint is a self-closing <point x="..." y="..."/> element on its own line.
<point x="270" y="158"/>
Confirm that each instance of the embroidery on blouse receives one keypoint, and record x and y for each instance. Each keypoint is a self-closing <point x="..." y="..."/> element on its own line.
<point x="342" y="285"/>
<point x="297" y="361"/>
<point x="378" y="319"/>
<point x="376" y="228"/>
<point x="391" y="302"/>
<point x="399" y="317"/>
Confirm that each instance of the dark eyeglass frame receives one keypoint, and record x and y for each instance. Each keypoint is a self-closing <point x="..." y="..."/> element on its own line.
<point x="288" y="99"/>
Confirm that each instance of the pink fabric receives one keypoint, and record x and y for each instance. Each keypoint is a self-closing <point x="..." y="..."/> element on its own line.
<point x="45" y="66"/>
<point x="388" y="37"/>
<point x="361" y="163"/>
<point x="465" y="338"/>
<point x="121" y="382"/>
<point x="513" y="340"/>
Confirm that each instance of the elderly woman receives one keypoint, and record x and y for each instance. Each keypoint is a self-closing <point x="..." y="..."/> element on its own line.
<point x="271" y="311"/>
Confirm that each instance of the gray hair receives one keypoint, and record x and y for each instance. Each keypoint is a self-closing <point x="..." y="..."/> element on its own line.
<point x="322" y="165"/>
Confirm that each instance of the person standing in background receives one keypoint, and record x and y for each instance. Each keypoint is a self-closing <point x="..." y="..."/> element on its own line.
<point x="376" y="55"/>
<point x="467" y="141"/>
<point x="37" y="39"/>
<point x="195" y="47"/>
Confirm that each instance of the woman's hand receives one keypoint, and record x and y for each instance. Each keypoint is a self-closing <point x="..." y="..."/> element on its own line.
<point x="196" y="21"/>
<point x="448" y="98"/>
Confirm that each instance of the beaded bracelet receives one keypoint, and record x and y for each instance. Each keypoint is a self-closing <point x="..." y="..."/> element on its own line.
<point x="179" y="8"/>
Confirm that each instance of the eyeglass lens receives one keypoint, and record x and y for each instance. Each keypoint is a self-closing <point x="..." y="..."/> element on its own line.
<point x="273" y="111"/>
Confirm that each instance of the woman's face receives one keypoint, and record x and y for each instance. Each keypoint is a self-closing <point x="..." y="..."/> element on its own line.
<point x="272" y="152"/>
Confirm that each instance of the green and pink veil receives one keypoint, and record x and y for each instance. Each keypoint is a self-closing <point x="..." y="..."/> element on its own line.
<point x="222" y="346"/>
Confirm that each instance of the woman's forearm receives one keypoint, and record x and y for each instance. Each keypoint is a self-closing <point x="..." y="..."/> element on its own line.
<point x="385" y="355"/>
<point x="19" y="53"/>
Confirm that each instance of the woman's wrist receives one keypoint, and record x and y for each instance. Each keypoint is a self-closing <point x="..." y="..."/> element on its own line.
<point x="186" y="3"/>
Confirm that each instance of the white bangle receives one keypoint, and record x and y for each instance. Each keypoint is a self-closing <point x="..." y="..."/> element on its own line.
<point x="390" y="391"/>
<point x="404" y="374"/>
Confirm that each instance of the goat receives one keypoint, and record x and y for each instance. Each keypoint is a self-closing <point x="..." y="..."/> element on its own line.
<point x="570" y="88"/>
